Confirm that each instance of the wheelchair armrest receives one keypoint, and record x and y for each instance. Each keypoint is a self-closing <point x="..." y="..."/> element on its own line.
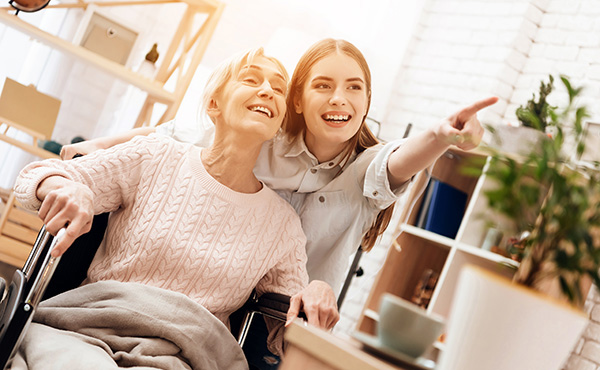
<point x="273" y="305"/>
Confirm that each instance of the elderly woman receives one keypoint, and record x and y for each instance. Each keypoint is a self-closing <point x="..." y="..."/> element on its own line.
<point x="184" y="219"/>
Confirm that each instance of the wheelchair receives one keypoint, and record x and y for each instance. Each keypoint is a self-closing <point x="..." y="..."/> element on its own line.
<point x="44" y="276"/>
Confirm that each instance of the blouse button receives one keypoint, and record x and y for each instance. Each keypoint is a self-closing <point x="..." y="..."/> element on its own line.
<point x="375" y="193"/>
<point x="313" y="170"/>
<point x="330" y="164"/>
<point x="321" y="199"/>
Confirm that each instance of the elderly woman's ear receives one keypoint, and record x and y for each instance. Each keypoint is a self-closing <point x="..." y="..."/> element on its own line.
<point x="213" y="110"/>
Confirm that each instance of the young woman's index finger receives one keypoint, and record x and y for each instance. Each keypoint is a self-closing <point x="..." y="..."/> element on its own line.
<point x="477" y="106"/>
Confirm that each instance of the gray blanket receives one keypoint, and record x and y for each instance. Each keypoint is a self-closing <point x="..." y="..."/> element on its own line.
<point x="113" y="325"/>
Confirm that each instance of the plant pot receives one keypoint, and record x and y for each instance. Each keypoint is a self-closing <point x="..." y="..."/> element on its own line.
<point x="495" y="324"/>
<point x="519" y="140"/>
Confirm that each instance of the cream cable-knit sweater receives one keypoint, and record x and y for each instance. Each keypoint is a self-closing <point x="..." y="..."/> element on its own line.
<point x="173" y="226"/>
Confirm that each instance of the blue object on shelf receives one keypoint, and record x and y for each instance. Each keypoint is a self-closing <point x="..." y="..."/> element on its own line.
<point x="445" y="209"/>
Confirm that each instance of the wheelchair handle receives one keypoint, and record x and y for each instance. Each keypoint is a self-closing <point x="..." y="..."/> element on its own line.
<point x="47" y="266"/>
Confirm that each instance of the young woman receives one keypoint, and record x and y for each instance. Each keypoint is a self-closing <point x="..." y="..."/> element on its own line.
<point x="331" y="169"/>
<point x="190" y="220"/>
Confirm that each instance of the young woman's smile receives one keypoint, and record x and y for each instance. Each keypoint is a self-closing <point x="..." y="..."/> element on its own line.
<point x="336" y="118"/>
<point x="334" y="103"/>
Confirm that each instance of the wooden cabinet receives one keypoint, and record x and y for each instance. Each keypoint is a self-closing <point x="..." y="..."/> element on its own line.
<point x="417" y="253"/>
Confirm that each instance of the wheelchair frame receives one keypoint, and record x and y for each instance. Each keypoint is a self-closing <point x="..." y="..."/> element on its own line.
<point x="25" y="292"/>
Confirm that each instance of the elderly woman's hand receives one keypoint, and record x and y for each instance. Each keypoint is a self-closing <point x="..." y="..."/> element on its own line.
<point x="319" y="304"/>
<point x="65" y="203"/>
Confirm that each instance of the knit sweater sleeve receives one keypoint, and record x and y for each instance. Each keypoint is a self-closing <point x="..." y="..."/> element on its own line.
<point x="111" y="174"/>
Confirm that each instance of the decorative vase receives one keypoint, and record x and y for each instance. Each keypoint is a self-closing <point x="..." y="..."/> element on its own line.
<point x="495" y="324"/>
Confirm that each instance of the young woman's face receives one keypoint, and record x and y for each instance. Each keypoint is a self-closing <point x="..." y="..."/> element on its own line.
<point x="333" y="102"/>
<point x="253" y="102"/>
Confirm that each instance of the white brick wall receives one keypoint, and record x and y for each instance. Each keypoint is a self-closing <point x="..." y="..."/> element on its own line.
<point x="586" y="354"/>
<point x="464" y="50"/>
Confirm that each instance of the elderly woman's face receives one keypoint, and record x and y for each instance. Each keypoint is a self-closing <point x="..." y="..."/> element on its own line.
<point x="254" y="100"/>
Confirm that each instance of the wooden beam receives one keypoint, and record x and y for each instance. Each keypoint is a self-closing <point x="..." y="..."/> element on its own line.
<point x="7" y="208"/>
<point x="204" y="4"/>
<point x="186" y="20"/>
<point x="181" y="88"/>
<point x="181" y="60"/>
<point x="19" y="215"/>
<point x="28" y="147"/>
<point x="13" y="251"/>
<point x="20" y="233"/>
<point x="133" y="2"/>
<point x="82" y="5"/>
<point x="145" y="117"/>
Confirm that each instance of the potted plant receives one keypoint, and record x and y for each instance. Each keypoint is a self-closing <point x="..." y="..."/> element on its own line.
<point x="535" y="118"/>
<point x="550" y="197"/>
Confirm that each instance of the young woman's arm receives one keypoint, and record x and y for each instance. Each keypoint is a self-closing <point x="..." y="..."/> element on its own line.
<point x="88" y="146"/>
<point x="420" y="151"/>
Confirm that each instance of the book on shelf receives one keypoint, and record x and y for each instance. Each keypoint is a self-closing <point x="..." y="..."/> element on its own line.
<point x="422" y="217"/>
<point x="442" y="208"/>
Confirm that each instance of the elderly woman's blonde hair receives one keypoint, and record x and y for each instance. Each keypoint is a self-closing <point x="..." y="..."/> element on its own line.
<point x="229" y="69"/>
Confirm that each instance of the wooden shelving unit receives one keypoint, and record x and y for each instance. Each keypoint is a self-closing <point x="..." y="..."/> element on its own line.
<point x="416" y="250"/>
<point x="189" y="44"/>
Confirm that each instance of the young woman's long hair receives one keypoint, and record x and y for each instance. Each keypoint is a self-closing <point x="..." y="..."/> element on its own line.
<point x="294" y="125"/>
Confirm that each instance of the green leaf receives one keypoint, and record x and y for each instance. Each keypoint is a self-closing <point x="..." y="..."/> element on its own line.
<point x="570" y="90"/>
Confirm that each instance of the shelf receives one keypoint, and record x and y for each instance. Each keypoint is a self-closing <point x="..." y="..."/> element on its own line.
<point x="491" y="256"/>
<point x="447" y="242"/>
<point x="427" y="235"/>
